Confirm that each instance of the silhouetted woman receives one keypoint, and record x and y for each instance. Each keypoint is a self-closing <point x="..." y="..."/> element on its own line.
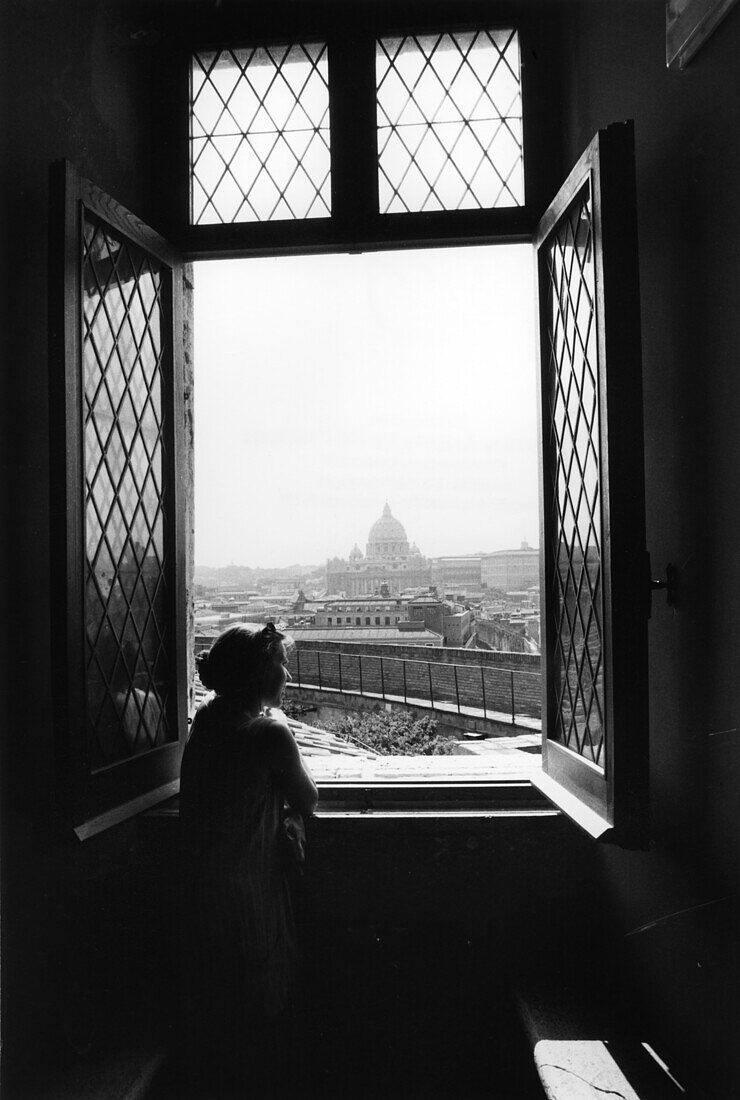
<point x="241" y="773"/>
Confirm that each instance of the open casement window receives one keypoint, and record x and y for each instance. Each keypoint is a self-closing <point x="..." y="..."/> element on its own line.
<point x="117" y="409"/>
<point x="594" y="630"/>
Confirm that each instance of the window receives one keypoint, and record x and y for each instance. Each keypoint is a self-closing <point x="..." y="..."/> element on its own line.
<point x="120" y="557"/>
<point x="259" y="134"/>
<point x="374" y="182"/>
<point x="309" y="366"/>
<point x="449" y="121"/>
<point x="357" y="138"/>
<point x="595" y="721"/>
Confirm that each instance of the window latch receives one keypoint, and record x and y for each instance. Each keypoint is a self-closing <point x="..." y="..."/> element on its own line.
<point x="669" y="585"/>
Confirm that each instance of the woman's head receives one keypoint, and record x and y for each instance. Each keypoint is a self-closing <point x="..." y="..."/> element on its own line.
<point x="246" y="664"/>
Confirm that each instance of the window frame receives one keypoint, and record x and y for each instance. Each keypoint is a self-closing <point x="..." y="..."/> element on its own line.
<point x="609" y="801"/>
<point x="355" y="224"/>
<point x="95" y="800"/>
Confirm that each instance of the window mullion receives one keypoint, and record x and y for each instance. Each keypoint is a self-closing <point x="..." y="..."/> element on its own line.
<point x="353" y="133"/>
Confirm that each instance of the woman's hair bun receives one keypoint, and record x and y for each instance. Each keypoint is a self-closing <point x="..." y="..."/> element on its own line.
<point x="202" y="663"/>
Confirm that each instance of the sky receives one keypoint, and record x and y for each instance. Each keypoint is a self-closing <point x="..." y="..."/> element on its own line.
<point x="326" y="385"/>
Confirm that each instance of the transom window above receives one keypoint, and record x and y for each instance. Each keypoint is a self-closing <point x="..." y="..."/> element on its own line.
<point x="259" y="134"/>
<point x="449" y="117"/>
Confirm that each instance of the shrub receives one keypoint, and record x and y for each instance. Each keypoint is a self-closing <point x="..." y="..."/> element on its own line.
<point x="394" y="733"/>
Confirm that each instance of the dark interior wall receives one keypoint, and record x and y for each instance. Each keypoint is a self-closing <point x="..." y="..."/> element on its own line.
<point x="77" y="82"/>
<point x="688" y="189"/>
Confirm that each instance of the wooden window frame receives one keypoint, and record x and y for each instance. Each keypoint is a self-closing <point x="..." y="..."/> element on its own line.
<point x="355" y="225"/>
<point x="611" y="801"/>
<point x="94" y="800"/>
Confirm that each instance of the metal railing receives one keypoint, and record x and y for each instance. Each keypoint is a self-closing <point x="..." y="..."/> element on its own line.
<point x="470" y="688"/>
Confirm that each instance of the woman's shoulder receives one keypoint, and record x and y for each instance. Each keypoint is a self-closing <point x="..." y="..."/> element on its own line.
<point x="205" y="714"/>
<point x="214" y="720"/>
<point x="271" y="725"/>
<point x="273" y="731"/>
<point x="218" y="722"/>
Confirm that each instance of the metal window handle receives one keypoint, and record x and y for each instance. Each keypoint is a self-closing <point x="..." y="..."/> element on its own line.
<point x="669" y="585"/>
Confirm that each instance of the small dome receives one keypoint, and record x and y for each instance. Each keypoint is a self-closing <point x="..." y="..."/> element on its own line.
<point x="387" y="529"/>
<point x="355" y="553"/>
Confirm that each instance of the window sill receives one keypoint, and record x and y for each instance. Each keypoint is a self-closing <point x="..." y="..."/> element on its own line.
<point x="440" y="798"/>
<point x="329" y="814"/>
<point x="493" y="778"/>
<point x="421" y="801"/>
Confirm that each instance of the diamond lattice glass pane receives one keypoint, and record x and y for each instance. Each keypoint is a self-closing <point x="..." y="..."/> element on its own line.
<point x="578" y="659"/>
<point x="259" y="134"/>
<point x="449" y="122"/>
<point x="125" y="585"/>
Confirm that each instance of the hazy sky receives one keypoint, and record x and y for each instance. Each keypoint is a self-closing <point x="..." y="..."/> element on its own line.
<point x="326" y="385"/>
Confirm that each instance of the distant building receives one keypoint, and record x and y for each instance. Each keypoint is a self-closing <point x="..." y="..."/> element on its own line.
<point x="389" y="564"/>
<point x="455" y="623"/>
<point x="511" y="570"/>
<point x="430" y="610"/>
<point x="508" y="636"/>
<point x="458" y="627"/>
<point x="376" y="615"/>
<point x="362" y="611"/>
<point x="403" y="634"/>
<point x="461" y="571"/>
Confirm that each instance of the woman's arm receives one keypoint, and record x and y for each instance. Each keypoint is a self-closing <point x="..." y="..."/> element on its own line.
<point x="295" y="778"/>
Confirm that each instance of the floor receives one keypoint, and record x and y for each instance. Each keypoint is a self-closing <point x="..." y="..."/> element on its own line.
<point x="410" y="1060"/>
<point x="406" y="1033"/>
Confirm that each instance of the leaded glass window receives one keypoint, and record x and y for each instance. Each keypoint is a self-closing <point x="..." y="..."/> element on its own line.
<point x="259" y="134"/>
<point x="577" y="680"/>
<point x="127" y="666"/>
<point x="449" y="118"/>
<point x="596" y="579"/>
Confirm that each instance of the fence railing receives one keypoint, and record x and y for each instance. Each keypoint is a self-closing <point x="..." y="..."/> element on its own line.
<point x="466" y="687"/>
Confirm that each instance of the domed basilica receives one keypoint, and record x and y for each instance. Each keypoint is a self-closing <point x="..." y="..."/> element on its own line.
<point x="388" y="561"/>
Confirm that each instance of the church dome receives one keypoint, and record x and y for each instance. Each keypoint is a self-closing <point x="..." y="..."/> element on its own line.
<point x="355" y="553"/>
<point x="387" y="539"/>
<point x="387" y="528"/>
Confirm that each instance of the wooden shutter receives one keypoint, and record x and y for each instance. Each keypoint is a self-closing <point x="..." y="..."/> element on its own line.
<point x="594" y="578"/>
<point x="118" y="552"/>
